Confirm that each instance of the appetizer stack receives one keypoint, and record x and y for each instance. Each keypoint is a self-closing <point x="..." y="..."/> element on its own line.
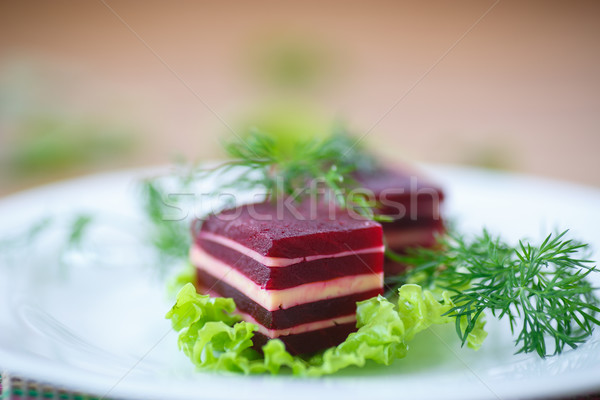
<point x="295" y="271"/>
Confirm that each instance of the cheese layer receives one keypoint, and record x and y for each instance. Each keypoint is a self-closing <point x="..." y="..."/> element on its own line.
<point x="288" y="318"/>
<point x="274" y="299"/>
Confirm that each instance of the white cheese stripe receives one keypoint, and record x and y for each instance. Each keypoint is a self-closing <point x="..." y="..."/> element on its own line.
<point x="274" y="299"/>
<point x="308" y="327"/>
<point x="279" y="261"/>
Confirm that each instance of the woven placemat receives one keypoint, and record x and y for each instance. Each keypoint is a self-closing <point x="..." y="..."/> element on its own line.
<point x="13" y="388"/>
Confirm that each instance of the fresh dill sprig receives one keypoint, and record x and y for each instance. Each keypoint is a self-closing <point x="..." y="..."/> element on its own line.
<point x="170" y="238"/>
<point x="75" y="230"/>
<point x="260" y="161"/>
<point x="78" y="229"/>
<point x="319" y="166"/>
<point x="543" y="290"/>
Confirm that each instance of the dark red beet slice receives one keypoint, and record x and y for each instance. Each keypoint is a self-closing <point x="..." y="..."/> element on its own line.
<point x="405" y="194"/>
<point x="294" y="230"/>
<point x="399" y="238"/>
<point x="310" y="342"/>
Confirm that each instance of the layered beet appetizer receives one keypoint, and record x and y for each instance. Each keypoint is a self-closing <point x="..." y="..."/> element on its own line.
<point x="297" y="273"/>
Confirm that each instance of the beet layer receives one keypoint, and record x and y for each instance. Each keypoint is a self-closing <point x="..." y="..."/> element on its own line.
<point x="293" y="231"/>
<point x="403" y="182"/>
<point x="282" y="319"/>
<point x="310" y="342"/>
<point x="405" y="195"/>
<point x="412" y="224"/>
<point x="297" y="274"/>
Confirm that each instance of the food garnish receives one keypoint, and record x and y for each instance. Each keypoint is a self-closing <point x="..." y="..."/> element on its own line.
<point x="541" y="289"/>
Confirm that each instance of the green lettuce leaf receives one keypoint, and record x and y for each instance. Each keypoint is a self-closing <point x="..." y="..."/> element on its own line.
<point x="215" y="339"/>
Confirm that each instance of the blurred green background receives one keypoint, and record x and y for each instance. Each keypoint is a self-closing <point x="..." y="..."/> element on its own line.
<point x="87" y="86"/>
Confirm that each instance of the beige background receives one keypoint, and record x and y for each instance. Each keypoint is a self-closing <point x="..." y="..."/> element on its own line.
<point x="520" y="91"/>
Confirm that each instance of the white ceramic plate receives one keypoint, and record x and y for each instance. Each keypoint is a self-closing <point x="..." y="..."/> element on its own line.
<point x="96" y="323"/>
